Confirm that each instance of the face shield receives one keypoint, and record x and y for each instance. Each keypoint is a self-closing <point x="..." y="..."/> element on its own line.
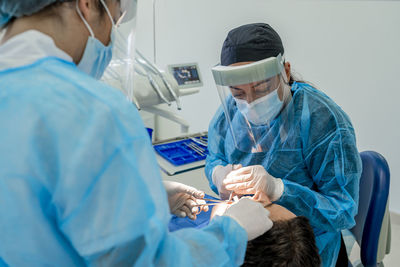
<point x="120" y="71"/>
<point x="252" y="96"/>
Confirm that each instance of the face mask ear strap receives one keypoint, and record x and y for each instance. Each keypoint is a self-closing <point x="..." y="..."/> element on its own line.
<point x="108" y="12"/>
<point x="83" y="19"/>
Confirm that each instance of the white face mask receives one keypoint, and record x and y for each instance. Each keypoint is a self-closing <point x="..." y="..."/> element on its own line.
<point x="262" y="110"/>
<point x="96" y="56"/>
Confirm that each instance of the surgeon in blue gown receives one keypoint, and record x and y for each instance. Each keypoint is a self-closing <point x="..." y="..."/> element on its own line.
<point x="310" y="165"/>
<point x="79" y="182"/>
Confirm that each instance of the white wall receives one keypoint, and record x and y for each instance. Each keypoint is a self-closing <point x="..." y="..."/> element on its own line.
<point x="144" y="42"/>
<point x="349" y="49"/>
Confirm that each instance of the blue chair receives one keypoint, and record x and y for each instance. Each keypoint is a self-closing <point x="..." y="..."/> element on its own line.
<point x="372" y="229"/>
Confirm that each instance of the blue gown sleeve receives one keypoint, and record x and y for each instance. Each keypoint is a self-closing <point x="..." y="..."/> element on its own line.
<point x="216" y="141"/>
<point x="333" y="163"/>
<point x="111" y="205"/>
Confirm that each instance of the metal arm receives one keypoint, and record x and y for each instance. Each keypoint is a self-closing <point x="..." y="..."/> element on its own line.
<point x="169" y="115"/>
<point x="156" y="71"/>
<point x="155" y="86"/>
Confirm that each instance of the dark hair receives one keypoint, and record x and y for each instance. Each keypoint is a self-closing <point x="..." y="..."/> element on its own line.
<point x="289" y="243"/>
<point x="50" y="8"/>
<point x="294" y="78"/>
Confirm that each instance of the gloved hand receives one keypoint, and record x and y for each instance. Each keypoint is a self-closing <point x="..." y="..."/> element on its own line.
<point x="262" y="198"/>
<point x="251" y="179"/>
<point x="251" y="215"/>
<point x="219" y="174"/>
<point x="183" y="199"/>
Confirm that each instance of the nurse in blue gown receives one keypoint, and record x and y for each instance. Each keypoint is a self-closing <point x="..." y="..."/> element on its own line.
<point x="282" y="137"/>
<point x="79" y="182"/>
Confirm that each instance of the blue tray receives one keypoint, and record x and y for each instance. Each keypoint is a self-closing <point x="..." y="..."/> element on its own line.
<point x="180" y="152"/>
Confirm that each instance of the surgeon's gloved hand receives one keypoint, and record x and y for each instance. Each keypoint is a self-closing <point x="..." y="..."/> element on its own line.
<point x="251" y="179"/>
<point x="251" y="215"/>
<point x="219" y="174"/>
<point x="183" y="199"/>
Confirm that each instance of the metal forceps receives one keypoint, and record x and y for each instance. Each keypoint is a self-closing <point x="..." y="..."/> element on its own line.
<point x="213" y="202"/>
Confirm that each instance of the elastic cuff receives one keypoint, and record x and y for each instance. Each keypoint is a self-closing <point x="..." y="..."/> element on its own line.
<point x="213" y="178"/>
<point x="279" y="187"/>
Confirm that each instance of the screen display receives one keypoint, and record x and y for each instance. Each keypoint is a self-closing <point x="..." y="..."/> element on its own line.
<point x="186" y="75"/>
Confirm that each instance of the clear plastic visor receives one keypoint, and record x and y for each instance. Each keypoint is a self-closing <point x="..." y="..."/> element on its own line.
<point x="128" y="11"/>
<point x="252" y="97"/>
<point x="120" y="72"/>
<point x="253" y="91"/>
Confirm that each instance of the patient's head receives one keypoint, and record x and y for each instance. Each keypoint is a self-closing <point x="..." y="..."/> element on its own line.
<point x="290" y="242"/>
<point x="287" y="243"/>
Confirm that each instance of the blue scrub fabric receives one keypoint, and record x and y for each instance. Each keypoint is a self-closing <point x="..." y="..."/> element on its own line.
<point x="312" y="147"/>
<point x="201" y="221"/>
<point x="79" y="182"/>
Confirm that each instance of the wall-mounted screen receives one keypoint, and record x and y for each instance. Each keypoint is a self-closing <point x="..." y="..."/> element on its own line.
<point x="186" y="75"/>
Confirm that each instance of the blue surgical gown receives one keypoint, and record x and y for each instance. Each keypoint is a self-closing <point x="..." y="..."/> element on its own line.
<point x="312" y="147"/>
<point x="79" y="182"/>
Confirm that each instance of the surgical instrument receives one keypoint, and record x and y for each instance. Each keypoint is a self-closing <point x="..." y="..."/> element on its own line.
<point x="199" y="141"/>
<point x="197" y="150"/>
<point x="213" y="202"/>
<point x="230" y="196"/>
<point x="196" y="147"/>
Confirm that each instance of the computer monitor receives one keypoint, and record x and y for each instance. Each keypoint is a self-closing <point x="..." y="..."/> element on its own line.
<point x="186" y="75"/>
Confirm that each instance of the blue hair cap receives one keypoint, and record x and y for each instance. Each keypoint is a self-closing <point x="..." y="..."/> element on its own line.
<point x="19" y="8"/>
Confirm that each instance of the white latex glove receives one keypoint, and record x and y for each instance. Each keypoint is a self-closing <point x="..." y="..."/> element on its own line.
<point x="251" y="179"/>
<point x="183" y="199"/>
<point x="251" y="215"/>
<point x="219" y="174"/>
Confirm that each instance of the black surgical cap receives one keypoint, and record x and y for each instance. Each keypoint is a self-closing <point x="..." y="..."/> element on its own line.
<point x="251" y="42"/>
